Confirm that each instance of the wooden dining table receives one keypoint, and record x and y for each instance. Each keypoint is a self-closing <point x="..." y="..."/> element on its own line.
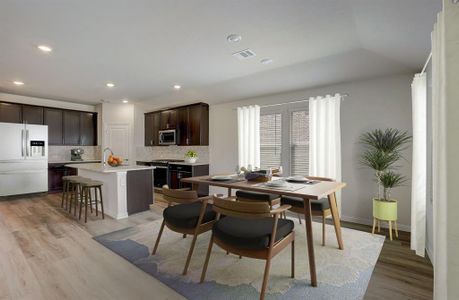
<point x="307" y="192"/>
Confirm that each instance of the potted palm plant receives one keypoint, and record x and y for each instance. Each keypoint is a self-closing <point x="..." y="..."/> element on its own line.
<point x="383" y="150"/>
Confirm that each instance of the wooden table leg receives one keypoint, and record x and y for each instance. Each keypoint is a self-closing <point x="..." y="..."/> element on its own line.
<point x="310" y="239"/>
<point x="336" y="220"/>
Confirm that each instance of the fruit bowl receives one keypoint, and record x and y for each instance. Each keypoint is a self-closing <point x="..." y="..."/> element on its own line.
<point x="114" y="161"/>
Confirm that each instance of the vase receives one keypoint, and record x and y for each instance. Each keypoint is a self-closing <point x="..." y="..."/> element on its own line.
<point x="385" y="210"/>
<point x="191" y="160"/>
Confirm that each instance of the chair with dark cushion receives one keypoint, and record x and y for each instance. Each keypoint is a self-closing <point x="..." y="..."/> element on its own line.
<point x="186" y="214"/>
<point x="248" y="229"/>
<point x="319" y="207"/>
<point x="249" y="196"/>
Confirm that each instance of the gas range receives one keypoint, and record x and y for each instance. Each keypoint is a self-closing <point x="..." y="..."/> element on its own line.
<point x="164" y="162"/>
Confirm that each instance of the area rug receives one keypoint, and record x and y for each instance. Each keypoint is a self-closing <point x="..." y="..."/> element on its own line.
<point x="342" y="274"/>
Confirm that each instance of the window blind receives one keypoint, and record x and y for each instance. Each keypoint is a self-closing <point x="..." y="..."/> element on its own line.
<point x="270" y="140"/>
<point x="299" y="143"/>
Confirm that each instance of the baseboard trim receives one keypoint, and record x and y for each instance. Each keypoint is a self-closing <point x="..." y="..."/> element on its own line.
<point x="401" y="227"/>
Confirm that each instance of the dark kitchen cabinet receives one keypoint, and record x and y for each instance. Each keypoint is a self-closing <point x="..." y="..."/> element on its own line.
<point x="32" y="114"/>
<point x="71" y="127"/>
<point x="177" y="172"/>
<point x="55" y="174"/>
<point x="193" y="125"/>
<point x="139" y="190"/>
<point x="152" y="125"/>
<point x="10" y="112"/>
<point x="88" y="129"/>
<point x="54" y="119"/>
<point x="168" y="119"/>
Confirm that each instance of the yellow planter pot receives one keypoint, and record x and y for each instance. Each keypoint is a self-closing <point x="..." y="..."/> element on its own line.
<point x="385" y="210"/>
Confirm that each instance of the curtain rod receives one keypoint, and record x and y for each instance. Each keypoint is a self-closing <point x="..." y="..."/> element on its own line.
<point x="297" y="101"/>
<point x="427" y="62"/>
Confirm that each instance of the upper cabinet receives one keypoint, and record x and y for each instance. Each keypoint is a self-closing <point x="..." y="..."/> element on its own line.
<point x="65" y="127"/>
<point x="152" y="125"/>
<point x="71" y="127"/>
<point x="168" y="119"/>
<point x="191" y="123"/>
<point x="32" y="114"/>
<point x="88" y="129"/>
<point x="53" y="117"/>
<point x="10" y="112"/>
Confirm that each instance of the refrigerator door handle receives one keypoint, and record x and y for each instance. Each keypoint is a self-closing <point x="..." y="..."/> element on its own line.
<point x="27" y="142"/>
<point x="22" y="143"/>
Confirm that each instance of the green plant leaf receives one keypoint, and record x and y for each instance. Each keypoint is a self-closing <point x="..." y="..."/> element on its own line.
<point x="387" y="141"/>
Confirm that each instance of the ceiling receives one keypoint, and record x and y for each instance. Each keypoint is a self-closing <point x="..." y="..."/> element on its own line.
<point x="145" y="46"/>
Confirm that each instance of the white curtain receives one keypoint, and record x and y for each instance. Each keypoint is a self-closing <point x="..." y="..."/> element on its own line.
<point x="325" y="138"/>
<point x="439" y="162"/>
<point x="248" y="119"/>
<point x="419" y="164"/>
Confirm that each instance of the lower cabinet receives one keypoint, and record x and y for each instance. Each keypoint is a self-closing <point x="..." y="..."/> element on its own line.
<point x="139" y="190"/>
<point x="177" y="172"/>
<point x="55" y="174"/>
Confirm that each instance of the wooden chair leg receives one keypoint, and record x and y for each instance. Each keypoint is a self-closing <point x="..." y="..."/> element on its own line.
<point x="299" y="218"/>
<point x="64" y="191"/>
<point x="159" y="237"/>
<point x="396" y="229"/>
<point x="323" y="230"/>
<point x="379" y="226"/>
<point x="206" y="262"/>
<point x="77" y="200"/>
<point x="190" y="253"/>
<point x="101" y="202"/>
<point x="72" y="195"/>
<point x="374" y="226"/>
<point x="390" y="230"/>
<point x="90" y="199"/>
<point x="265" y="279"/>
<point x="85" y="205"/>
<point x="81" y="204"/>
<point x="97" y="201"/>
<point x="293" y="259"/>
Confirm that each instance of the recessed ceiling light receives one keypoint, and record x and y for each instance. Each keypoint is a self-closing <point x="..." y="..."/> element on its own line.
<point x="177" y="86"/>
<point x="234" y="38"/>
<point x="110" y="84"/>
<point x="45" y="48"/>
<point x="18" y="82"/>
<point x="125" y="101"/>
<point x="266" y="61"/>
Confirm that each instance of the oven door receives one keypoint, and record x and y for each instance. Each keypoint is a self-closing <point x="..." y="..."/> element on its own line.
<point x="160" y="176"/>
<point x="167" y="137"/>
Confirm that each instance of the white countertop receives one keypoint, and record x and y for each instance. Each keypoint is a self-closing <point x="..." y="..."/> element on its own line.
<point x="85" y="161"/>
<point x="98" y="167"/>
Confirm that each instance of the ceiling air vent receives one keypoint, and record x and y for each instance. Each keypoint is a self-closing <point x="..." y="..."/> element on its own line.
<point x="244" y="54"/>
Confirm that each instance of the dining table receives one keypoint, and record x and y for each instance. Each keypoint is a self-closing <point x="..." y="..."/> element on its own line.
<point x="313" y="190"/>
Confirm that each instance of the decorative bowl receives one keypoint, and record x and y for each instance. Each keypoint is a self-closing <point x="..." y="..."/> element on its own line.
<point x="191" y="160"/>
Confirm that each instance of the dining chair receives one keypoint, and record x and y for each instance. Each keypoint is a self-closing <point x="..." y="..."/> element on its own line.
<point x="251" y="229"/>
<point x="249" y="196"/>
<point x="186" y="214"/>
<point x="319" y="207"/>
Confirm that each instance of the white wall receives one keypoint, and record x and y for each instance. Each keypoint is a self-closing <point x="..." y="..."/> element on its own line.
<point x="46" y="102"/>
<point x="375" y="103"/>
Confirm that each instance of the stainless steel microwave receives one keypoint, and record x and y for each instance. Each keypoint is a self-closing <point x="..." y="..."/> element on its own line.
<point x="168" y="137"/>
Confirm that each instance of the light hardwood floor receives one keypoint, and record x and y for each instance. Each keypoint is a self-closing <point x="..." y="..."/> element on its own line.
<point x="47" y="254"/>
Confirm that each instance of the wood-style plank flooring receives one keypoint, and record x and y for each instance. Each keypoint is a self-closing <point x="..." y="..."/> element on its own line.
<point x="47" y="254"/>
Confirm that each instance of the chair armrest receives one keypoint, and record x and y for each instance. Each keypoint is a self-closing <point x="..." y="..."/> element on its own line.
<point x="280" y="209"/>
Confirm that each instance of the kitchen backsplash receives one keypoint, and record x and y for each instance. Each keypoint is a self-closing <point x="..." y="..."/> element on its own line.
<point x="171" y="152"/>
<point x="62" y="153"/>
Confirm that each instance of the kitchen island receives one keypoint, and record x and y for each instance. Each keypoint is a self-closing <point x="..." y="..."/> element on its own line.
<point x="126" y="189"/>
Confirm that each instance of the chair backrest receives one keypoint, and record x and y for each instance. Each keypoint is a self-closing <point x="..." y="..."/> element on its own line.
<point x="249" y="210"/>
<point x="179" y="196"/>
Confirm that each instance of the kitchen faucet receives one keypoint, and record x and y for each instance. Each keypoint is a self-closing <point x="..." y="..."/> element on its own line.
<point x="104" y="157"/>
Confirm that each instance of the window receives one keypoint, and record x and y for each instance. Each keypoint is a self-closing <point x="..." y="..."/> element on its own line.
<point x="284" y="139"/>
<point x="270" y="140"/>
<point x="299" y="143"/>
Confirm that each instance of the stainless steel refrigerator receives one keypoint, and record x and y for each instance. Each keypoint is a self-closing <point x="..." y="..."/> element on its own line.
<point x="23" y="159"/>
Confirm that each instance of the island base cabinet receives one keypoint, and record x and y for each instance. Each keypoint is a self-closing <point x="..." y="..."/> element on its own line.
<point x="139" y="191"/>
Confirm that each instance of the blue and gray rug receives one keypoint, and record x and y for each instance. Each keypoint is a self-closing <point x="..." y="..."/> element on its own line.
<point x="341" y="274"/>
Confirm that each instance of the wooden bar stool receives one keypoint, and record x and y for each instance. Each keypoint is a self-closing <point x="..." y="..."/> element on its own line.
<point x="86" y="187"/>
<point x="66" y="189"/>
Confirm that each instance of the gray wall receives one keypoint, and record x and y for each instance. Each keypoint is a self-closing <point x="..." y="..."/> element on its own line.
<point x="374" y="103"/>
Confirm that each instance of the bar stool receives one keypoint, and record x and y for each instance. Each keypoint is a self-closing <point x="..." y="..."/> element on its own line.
<point x="66" y="189"/>
<point x="86" y="198"/>
<point x="75" y="192"/>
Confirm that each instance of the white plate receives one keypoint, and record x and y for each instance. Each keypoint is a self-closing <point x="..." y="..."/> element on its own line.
<point x="276" y="183"/>
<point x="297" y="179"/>
<point x="221" y="177"/>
